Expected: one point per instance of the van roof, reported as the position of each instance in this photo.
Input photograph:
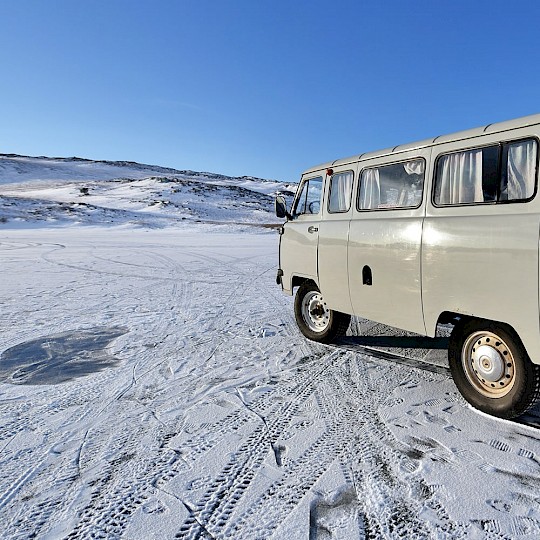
(524, 121)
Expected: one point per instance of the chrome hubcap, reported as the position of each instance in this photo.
(314, 311)
(489, 364)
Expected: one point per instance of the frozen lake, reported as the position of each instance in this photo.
(153, 384)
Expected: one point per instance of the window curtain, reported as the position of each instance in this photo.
(521, 168)
(414, 167)
(460, 178)
(370, 190)
(345, 200)
(341, 192)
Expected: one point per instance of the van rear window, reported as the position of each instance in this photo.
(499, 173)
(398, 185)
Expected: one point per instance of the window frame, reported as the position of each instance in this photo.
(500, 144)
(336, 173)
(391, 208)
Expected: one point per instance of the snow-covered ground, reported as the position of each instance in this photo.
(153, 384)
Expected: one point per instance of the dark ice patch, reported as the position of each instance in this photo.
(60, 358)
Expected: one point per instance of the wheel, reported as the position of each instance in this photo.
(492, 369)
(315, 320)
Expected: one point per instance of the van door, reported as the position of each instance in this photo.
(298, 246)
(333, 241)
(385, 240)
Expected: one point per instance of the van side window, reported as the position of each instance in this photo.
(497, 173)
(518, 179)
(309, 200)
(468, 177)
(339, 199)
(398, 185)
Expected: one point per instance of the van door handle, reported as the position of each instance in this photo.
(312, 229)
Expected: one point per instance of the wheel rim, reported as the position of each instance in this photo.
(489, 364)
(314, 312)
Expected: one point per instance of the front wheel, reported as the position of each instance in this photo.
(492, 369)
(315, 320)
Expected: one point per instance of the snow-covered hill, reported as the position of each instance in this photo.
(75, 190)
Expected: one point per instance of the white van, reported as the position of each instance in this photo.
(443, 230)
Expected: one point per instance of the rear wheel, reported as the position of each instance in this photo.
(492, 369)
(315, 320)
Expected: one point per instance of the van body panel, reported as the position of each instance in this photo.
(340, 163)
(414, 146)
(525, 121)
(318, 168)
(484, 265)
(299, 250)
(460, 135)
(378, 154)
(391, 249)
(333, 264)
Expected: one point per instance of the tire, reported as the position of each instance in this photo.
(491, 368)
(316, 321)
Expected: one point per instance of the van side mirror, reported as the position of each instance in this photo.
(281, 208)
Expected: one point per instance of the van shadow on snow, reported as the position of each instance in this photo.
(421, 352)
(399, 342)
(60, 358)
(414, 350)
(382, 339)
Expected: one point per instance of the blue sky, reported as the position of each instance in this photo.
(257, 87)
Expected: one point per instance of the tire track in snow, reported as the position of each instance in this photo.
(220, 499)
(339, 396)
(384, 503)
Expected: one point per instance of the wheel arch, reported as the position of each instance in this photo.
(529, 338)
(459, 319)
(298, 281)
